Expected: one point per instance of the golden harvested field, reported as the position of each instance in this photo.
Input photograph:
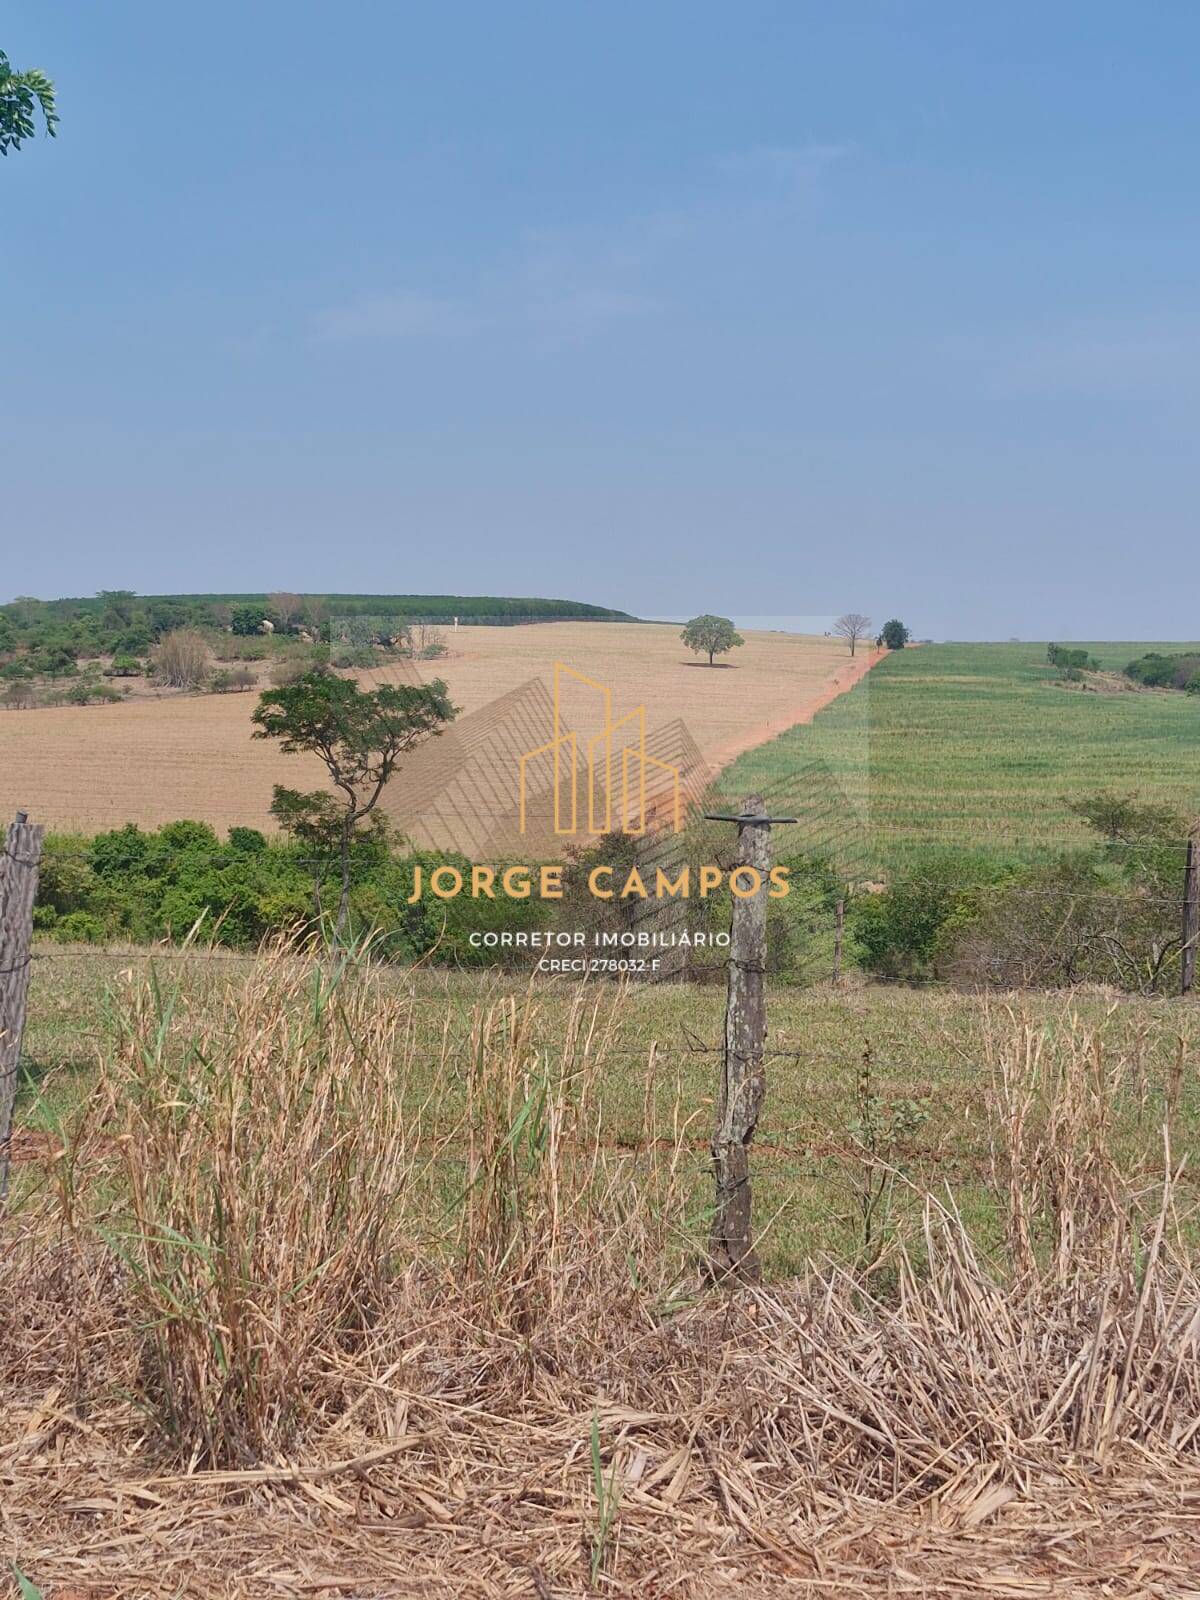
(153, 761)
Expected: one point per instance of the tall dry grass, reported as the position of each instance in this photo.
(278, 1165)
(425, 1303)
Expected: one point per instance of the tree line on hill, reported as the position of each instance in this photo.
(120, 622)
(82, 652)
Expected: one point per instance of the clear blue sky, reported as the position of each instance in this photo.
(751, 307)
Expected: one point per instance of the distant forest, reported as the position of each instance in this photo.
(120, 622)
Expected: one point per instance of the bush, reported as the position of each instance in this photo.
(89, 691)
(899, 933)
(124, 667)
(356, 656)
(80, 927)
(1067, 923)
(19, 695)
(255, 648)
(288, 670)
(248, 619)
(1157, 671)
(145, 886)
(232, 680)
(181, 659)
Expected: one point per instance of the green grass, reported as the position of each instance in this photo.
(978, 745)
(930, 1079)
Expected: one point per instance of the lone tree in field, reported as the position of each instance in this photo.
(853, 626)
(714, 635)
(22, 96)
(894, 635)
(360, 735)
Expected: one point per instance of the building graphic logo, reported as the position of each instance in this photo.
(625, 789)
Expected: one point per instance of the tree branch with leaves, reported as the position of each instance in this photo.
(22, 96)
(361, 736)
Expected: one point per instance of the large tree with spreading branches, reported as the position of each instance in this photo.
(360, 735)
(711, 635)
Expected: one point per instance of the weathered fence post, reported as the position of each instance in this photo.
(18, 886)
(743, 1079)
(839, 925)
(1191, 916)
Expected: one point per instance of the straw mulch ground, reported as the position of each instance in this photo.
(800, 1442)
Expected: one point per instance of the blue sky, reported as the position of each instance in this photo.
(785, 308)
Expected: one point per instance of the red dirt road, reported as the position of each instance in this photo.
(853, 671)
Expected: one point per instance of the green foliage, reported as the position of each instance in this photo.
(89, 691)
(25, 1587)
(1074, 921)
(1072, 661)
(248, 619)
(884, 1132)
(1124, 819)
(360, 735)
(894, 634)
(1158, 671)
(711, 636)
(315, 818)
(1106, 914)
(140, 887)
(899, 932)
(22, 96)
(232, 680)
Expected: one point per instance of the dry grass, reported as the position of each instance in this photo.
(266, 1337)
(152, 761)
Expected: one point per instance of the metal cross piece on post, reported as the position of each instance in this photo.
(743, 1079)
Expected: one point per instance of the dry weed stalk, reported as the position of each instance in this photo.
(261, 1157)
(525, 1412)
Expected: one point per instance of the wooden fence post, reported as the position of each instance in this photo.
(839, 924)
(1191, 917)
(18, 886)
(743, 1080)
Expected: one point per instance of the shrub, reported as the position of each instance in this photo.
(181, 659)
(80, 927)
(89, 691)
(353, 656)
(254, 648)
(248, 619)
(1067, 923)
(1158, 671)
(288, 670)
(19, 695)
(232, 680)
(898, 934)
